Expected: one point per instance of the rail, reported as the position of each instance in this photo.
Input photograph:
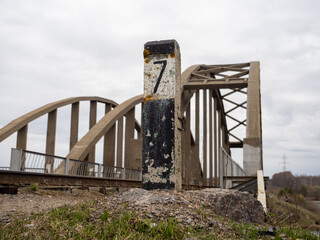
(229, 168)
(28, 161)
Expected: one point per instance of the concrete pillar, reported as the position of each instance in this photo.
(210, 141)
(51, 140)
(74, 128)
(109, 142)
(109, 147)
(196, 160)
(252, 144)
(92, 122)
(215, 143)
(119, 142)
(187, 149)
(162, 120)
(22, 138)
(204, 140)
(221, 154)
(51, 132)
(129, 135)
(22, 143)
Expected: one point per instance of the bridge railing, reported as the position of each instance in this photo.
(28, 161)
(4, 168)
(229, 167)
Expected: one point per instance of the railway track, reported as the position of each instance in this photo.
(19, 179)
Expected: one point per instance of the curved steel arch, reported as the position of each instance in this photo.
(187, 94)
(214, 78)
(83, 147)
(22, 121)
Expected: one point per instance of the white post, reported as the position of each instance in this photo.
(99, 170)
(66, 166)
(261, 190)
(48, 168)
(123, 173)
(16, 159)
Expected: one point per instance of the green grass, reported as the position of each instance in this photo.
(85, 221)
(284, 213)
(33, 187)
(94, 220)
(82, 222)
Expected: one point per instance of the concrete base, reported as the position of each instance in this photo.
(252, 156)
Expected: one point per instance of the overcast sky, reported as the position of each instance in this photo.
(50, 50)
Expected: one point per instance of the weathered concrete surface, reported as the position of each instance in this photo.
(252, 144)
(239, 206)
(252, 156)
(261, 190)
(159, 73)
(158, 145)
(160, 159)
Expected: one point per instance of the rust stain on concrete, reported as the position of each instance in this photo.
(146, 53)
(148, 98)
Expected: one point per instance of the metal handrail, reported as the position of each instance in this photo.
(30, 161)
(229, 167)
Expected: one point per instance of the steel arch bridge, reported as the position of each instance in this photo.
(220, 111)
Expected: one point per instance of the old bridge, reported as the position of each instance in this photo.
(215, 109)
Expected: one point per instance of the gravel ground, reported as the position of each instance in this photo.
(28, 201)
(188, 207)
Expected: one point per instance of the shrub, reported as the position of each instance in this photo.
(34, 187)
(304, 191)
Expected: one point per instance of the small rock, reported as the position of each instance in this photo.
(211, 223)
(29, 225)
(6, 220)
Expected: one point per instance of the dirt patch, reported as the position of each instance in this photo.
(28, 201)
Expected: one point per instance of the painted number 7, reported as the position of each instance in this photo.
(164, 62)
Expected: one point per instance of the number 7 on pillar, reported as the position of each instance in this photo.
(164, 64)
